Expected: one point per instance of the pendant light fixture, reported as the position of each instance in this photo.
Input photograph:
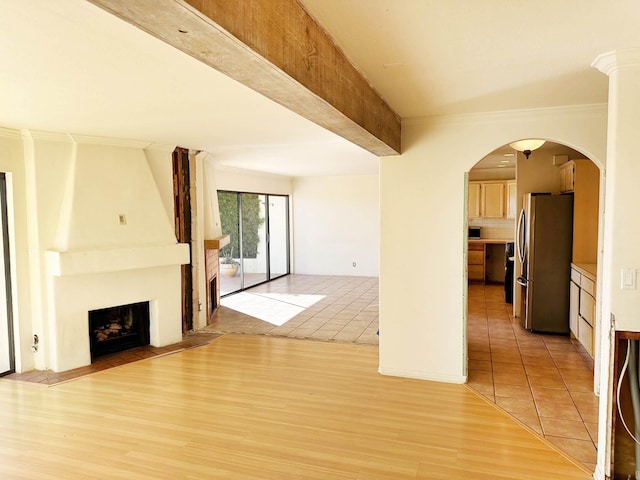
(527, 146)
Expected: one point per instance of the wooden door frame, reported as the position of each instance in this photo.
(183, 228)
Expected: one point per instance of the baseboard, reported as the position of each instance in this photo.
(418, 375)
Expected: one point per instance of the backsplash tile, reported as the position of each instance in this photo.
(494, 227)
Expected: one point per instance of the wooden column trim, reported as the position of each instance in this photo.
(277, 49)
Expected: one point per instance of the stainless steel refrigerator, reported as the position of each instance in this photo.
(544, 239)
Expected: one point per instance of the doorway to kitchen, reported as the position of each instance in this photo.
(545, 381)
(7, 356)
(258, 250)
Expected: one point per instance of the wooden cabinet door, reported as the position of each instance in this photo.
(567, 175)
(511, 199)
(492, 205)
(474, 200)
(574, 306)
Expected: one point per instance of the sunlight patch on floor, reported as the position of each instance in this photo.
(275, 308)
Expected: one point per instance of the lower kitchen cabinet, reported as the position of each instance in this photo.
(582, 307)
(476, 257)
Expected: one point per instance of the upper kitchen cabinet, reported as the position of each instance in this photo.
(474, 200)
(567, 174)
(492, 199)
(582, 177)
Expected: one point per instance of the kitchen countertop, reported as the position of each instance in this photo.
(588, 269)
(496, 241)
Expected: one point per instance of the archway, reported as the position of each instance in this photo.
(546, 381)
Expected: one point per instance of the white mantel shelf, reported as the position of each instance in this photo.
(116, 259)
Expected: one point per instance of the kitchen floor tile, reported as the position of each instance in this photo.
(564, 428)
(544, 381)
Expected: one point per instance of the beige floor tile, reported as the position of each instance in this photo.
(531, 420)
(513, 391)
(564, 428)
(506, 358)
(545, 381)
(581, 450)
(592, 428)
(519, 405)
(556, 409)
(507, 367)
(480, 365)
(510, 378)
(473, 355)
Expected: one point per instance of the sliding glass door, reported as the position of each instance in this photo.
(258, 226)
(278, 236)
(7, 360)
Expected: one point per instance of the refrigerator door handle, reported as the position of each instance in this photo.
(520, 236)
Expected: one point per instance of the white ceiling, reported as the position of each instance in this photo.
(68, 66)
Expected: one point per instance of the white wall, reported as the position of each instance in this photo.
(422, 269)
(237, 180)
(12, 163)
(336, 223)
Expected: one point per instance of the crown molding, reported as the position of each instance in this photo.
(595, 109)
(609, 62)
(44, 135)
(108, 141)
(160, 147)
(10, 133)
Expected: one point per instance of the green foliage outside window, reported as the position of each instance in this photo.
(251, 223)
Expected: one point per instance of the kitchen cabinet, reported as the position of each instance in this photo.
(474, 200)
(490, 199)
(567, 174)
(511, 199)
(582, 307)
(476, 258)
(586, 198)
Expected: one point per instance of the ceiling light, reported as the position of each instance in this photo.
(527, 146)
(505, 161)
(508, 155)
(502, 166)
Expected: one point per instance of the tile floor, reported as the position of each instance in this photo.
(545, 381)
(345, 309)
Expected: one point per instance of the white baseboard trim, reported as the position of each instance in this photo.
(418, 375)
(598, 474)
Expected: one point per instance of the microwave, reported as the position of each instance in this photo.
(474, 233)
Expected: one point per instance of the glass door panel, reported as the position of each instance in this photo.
(230, 272)
(278, 236)
(254, 239)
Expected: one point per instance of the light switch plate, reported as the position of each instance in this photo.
(628, 280)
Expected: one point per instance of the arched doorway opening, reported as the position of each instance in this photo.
(545, 380)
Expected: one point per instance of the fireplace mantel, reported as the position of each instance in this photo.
(116, 259)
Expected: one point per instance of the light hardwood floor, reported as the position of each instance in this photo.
(259, 407)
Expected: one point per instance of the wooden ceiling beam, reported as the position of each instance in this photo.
(277, 49)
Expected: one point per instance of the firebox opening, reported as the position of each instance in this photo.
(213, 297)
(119, 328)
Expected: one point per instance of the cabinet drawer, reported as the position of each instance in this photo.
(587, 307)
(475, 272)
(575, 276)
(585, 335)
(587, 285)
(475, 257)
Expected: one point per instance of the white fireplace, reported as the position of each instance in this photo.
(105, 231)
